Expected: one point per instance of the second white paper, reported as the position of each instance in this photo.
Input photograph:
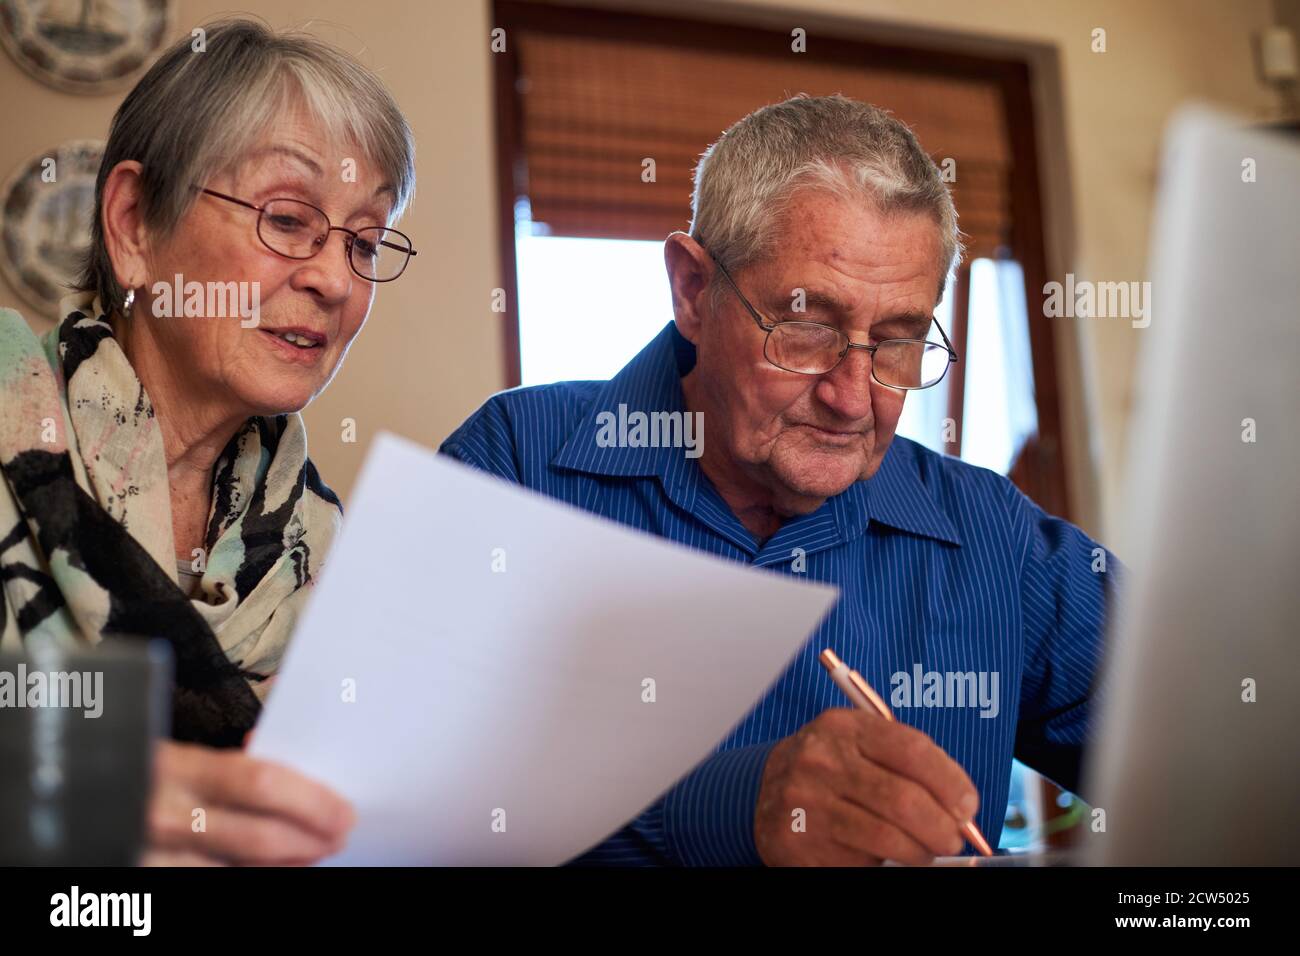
(494, 677)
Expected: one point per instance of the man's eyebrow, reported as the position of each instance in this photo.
(913, 318)
(812, 299)
(825, 300)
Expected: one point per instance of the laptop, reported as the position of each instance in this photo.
(1197, 754)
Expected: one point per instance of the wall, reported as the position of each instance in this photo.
(431, 352)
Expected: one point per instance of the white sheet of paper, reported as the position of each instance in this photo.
(499, 645)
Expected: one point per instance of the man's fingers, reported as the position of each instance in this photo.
(903, 803)
(910, 753)
(871, 836)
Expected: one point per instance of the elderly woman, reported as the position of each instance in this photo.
(156, 473)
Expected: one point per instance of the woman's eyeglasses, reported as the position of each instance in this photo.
(299, 230)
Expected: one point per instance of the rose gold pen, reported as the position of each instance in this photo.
(859, 691)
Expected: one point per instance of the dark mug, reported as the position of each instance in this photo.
(77, 733)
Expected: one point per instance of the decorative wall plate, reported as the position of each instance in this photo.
(84, 46)
(45, 225)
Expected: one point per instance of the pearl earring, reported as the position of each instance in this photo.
(128, 301)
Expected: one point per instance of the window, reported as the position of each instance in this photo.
(999, 415)
(586, 306)
(601, 117)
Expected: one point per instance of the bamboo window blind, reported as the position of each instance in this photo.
(594, 108)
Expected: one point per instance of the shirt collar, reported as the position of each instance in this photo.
(897, 496)
(900, 493)
(651, 382)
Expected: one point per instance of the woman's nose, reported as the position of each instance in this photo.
(329, 273)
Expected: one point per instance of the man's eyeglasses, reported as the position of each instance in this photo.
(299, 230)
(811, 348)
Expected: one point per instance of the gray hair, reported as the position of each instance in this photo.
(195, 114)
(744, 181)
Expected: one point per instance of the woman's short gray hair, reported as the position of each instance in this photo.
(744, 181)
(195, 114)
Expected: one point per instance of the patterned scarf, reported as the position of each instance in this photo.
(86, 548)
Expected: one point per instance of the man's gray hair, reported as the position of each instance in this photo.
(744, 181)
(195, 114)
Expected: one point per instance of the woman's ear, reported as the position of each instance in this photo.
(690, 272)
(123, 223)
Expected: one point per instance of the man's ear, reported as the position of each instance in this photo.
(690, 271)
(123, 219)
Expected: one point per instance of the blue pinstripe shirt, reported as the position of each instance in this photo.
(943, 568)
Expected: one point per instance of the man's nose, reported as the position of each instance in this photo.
(846, 389)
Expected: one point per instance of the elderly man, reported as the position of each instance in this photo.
(803, 299)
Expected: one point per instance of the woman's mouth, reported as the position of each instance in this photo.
(300, 345)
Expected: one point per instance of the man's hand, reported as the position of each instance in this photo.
(254, 812)
(871, 790)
